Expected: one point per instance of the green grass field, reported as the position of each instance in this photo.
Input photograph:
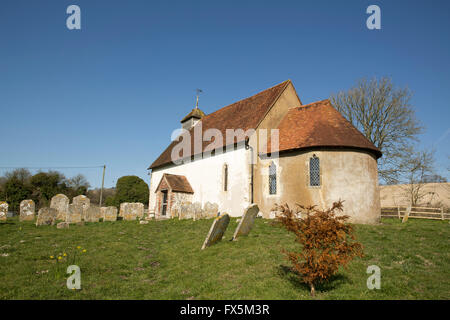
(163, 260)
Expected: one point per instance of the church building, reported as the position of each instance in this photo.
(318, 158)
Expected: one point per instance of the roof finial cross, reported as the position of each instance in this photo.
(198, 93)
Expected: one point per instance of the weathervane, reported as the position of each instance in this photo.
(198, 93)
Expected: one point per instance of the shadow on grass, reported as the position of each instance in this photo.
(294, 278)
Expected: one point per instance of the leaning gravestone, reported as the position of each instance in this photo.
(46, 216)
(407, 213)
(60, 202)
(247, 221)
(108, 213)
(75, 213)
(217, 230)
(3, 210)
(82, 201)
(27, 209)
(130, 211)
(92, 214)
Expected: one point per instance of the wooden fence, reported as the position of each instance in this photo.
(416, 212)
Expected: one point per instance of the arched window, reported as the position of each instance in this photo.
(314, 171)
(272, 178)
(225, 177)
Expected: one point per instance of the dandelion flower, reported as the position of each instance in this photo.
(78, 247)
(59, 258)
(65, 254)
(84, 250)
(51, 257)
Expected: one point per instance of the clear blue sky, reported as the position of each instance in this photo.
(112, 92)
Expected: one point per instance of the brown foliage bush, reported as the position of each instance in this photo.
(328, 242)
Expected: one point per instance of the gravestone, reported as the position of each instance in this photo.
(247, 221)
(131, 211)
(75, 213)
(60, 202)
(407, 213)
(27, 210)
(210, 210)
(3, 210)
(197, 208)
(186, 211)
(217, 230)
(82, 201)
(46, 216)
(109, 213)
(122, 208)
(92, 214)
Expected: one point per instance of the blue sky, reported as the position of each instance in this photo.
(112, 92)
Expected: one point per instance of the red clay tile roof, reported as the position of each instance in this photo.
(195, 113)
(319, 124)
(245, 114)
(175, 182)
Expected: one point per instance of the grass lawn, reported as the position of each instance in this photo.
(163, 260)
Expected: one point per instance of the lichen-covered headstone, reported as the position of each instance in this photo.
(108, 213)
(210, 210)
(217, 230)
(27, 210)
(46, 216)
(82, 201)
(133, 210)
(186, 211)
(3, 210)
(247, 221)
(75, 213)
(60, 202)
(92, 214)
(197, 208)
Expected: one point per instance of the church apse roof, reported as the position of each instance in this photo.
(319, 124)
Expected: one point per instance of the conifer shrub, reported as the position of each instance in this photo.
(327, 241)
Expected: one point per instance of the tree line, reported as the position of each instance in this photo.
(20, 184)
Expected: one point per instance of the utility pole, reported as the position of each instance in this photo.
(103, 182)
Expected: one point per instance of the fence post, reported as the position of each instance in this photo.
(398, 212)
(442, 213)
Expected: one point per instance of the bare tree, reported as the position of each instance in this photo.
(384, 115)
(22, 174)
(78, 181)
(416, 170)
